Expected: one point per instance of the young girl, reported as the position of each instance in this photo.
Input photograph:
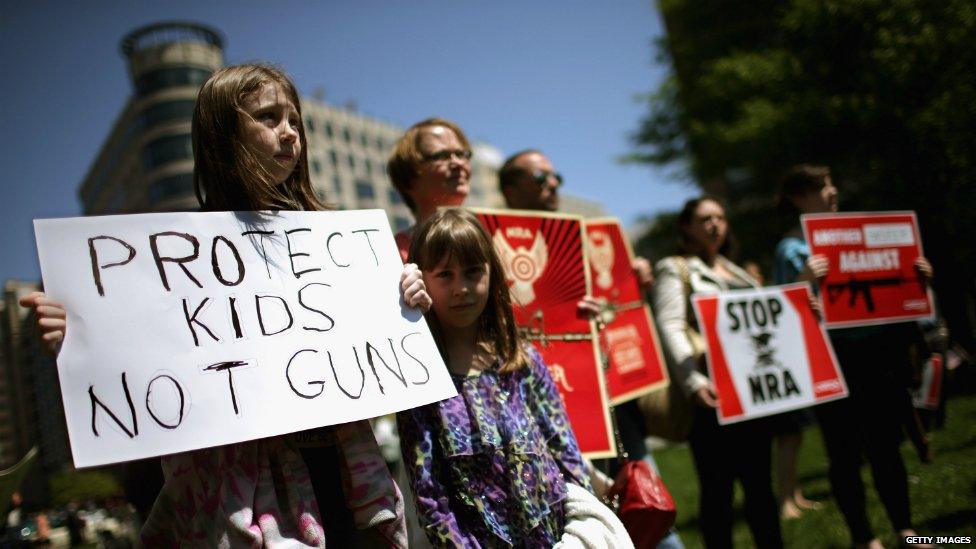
(490, 466)
(250, 154)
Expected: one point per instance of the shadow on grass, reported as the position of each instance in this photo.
(953, 521)
(957, 446)
(812, 476)
(691, 523)
(818, 495)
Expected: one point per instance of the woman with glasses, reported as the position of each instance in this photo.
(430, 167)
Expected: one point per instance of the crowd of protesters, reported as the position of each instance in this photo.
(499, 464)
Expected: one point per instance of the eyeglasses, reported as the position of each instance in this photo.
(447, 154)
(541, 177)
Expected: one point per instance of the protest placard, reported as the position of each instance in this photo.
(767, 353)
(636, 366)
(872, 277)
(193, 330)
(544, 256)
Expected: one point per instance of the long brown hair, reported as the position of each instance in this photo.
(226, 173)
(687, 244)
(456, 233)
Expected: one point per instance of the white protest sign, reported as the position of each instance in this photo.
(193, 330)
(767, 353)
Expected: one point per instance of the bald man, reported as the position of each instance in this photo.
(528, 181)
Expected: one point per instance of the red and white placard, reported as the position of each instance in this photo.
(871, 277)
(636, 366)
(767, 353)
(544, 256)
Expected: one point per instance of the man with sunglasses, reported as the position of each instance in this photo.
(528, 181)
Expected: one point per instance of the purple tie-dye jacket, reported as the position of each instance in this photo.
(489, 467)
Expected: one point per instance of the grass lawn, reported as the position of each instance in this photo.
(943, 493)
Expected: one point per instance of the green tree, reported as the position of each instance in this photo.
(81, 486)
(883, 91)
(659, 239)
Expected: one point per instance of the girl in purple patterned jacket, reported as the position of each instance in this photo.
(489, 467)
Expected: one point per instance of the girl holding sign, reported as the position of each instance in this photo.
(298, 490)
(495, 464)
(874, 360)
(722, 454)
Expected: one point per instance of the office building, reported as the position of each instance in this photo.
(146, 163)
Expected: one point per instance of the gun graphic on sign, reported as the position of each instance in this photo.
(860, 288)
(876, 282)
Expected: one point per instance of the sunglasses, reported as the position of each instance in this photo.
(447, 154)
(541, 177)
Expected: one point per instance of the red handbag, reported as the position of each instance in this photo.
(644, 504)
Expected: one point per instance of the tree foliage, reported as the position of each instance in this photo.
(883, 91)
(660, 238)
(82, 486)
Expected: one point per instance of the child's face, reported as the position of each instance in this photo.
(459, 293)
(270, 130)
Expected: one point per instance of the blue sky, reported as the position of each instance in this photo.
(560, 76)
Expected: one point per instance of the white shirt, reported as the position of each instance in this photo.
(673, 313)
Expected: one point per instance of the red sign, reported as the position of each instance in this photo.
(543, 254)
(767, 352)
(871, 277)
(629, 339)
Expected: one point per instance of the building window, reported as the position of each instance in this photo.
(364, 140)
(400, 223)
(365, 190)
(369, 166)
(347, 135)
(170, 77)
(309, 124)
(170, 187)
(380, 144)
(352, 162)
(337, 185)
(166, 111)
(328, 130)
(394, 196)
(167, 149)
(334, 158)
(316, 167)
